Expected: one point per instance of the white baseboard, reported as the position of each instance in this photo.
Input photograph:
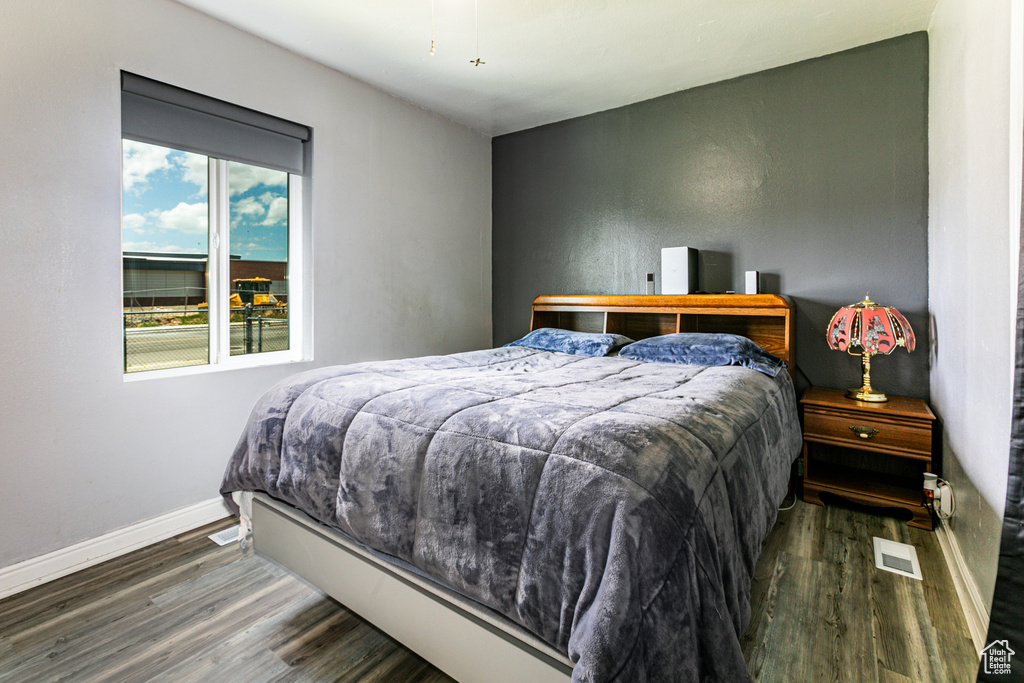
(39, 570)
(970, 597)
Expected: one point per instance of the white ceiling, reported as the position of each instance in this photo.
(549, 60)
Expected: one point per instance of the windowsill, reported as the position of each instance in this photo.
(256, 360)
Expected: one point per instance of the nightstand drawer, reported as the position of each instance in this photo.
(906, 440)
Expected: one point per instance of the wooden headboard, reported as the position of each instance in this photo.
(766, 319)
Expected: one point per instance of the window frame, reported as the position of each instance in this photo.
(170, 116)
(218, 284)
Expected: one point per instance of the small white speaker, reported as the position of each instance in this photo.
(650, 283)
(753, 287)
(679, 270)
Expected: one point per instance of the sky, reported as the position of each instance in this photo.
(164, 204)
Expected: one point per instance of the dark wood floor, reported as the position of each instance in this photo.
(821, 611)
(185, 609)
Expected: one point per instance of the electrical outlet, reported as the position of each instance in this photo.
(944, 500)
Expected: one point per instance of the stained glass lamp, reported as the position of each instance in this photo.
(872, 329)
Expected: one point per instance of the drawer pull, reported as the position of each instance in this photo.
(863, 432)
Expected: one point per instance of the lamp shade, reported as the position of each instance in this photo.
(875, 329)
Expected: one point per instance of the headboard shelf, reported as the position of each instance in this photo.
(766, 319)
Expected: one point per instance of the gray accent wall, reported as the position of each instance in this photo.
(815, 174)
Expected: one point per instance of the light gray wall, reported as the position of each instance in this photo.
(401, 256)
(815, 174)
(974, 224)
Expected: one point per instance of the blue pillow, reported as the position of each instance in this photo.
(576, 343)
(698, 348)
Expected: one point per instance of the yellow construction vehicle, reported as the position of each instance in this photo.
(252, 290)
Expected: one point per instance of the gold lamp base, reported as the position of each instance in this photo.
(866, 392)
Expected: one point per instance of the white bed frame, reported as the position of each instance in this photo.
(466, 640)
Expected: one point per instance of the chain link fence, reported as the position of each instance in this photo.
(173, 337)
(259, 329)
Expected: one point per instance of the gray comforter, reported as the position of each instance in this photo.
(615, 508)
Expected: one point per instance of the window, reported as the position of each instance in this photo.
(211, 231)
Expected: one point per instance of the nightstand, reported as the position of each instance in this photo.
(869, 453)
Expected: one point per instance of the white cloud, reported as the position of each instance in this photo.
(194, 170)
(244, 177)
(184, 219)
(133, 221)
(139, 160)
(277, 213)
(246, 207)
(188, 218)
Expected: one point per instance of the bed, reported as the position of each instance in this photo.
(522, 514)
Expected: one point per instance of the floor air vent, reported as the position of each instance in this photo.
(898, 558)
(224, 537)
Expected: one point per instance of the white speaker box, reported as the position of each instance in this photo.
(679, 270)
(752, 282)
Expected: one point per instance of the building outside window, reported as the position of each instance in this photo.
(211, 242)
